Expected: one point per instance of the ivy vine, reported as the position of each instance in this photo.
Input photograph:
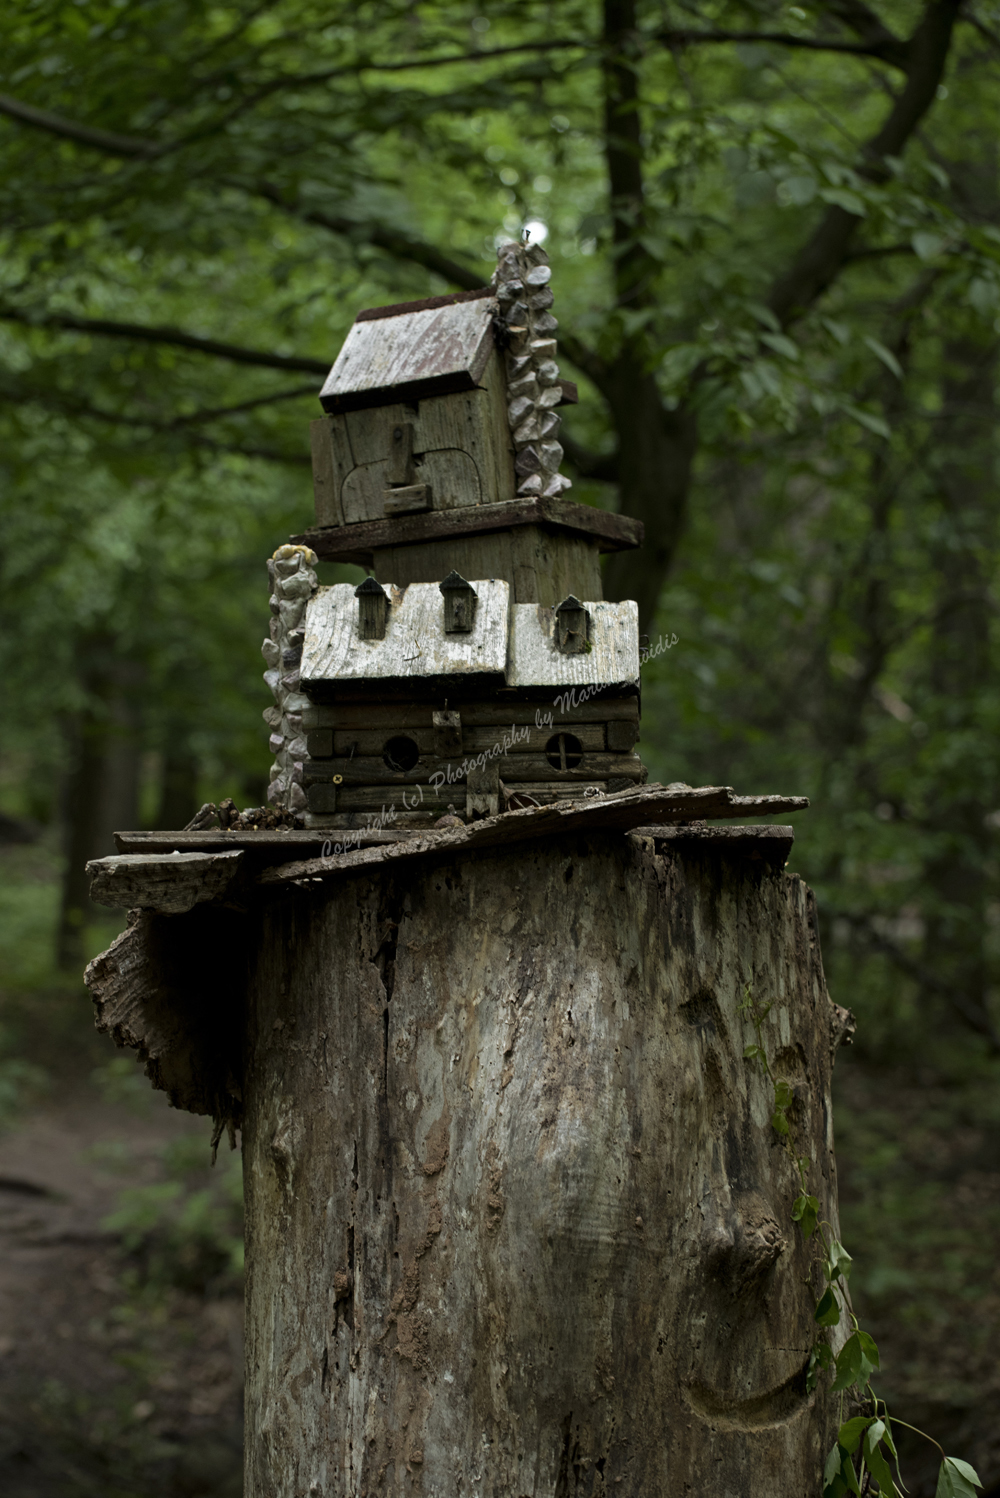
(864, 1451)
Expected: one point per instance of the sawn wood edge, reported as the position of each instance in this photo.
(357, 542)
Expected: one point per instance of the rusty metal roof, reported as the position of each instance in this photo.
(412, 350)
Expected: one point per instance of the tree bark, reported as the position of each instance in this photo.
(517, 1222)
(100, 793)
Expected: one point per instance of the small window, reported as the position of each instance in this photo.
(400, 753)
(564, 751)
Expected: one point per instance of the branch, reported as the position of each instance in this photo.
(134, 147)
(174, 337)
(83, 135)
(217, 413)
(863, 21)
(824, 254)
(395, 241)
(891, 51)
(168, 428)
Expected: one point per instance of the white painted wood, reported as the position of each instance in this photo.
(613, 658)
(415, 643)
(391, 351)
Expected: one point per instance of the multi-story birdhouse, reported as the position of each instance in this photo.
(477, 667)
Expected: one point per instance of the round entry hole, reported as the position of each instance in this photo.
(400, 753)
(564, 751)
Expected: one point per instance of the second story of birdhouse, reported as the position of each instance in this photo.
(463, 638)
(418, 412)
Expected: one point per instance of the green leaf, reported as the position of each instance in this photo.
(779, 1123)
(833, 1461)
(877, 1464)
(870, 1351)
(868, 419)
(850, 1361)
(783, 1095)
(780, 344)
(850, 1433)
(840, 1262)
(751, 1052)
(821, 1357)
(926, 246)
(805, 1211)
(839, 1475)
(827, 1313)
(764, 315)
(849, 201)
(886, 355)
(957, 1479)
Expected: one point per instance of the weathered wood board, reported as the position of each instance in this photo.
(540, 565)
(414, 643)
(647, 805)
(171, 883)
(371, 741)
(358, 543)
(613, 658)
(603, 708)
(369, 769)
(412, 354)
(460, 446)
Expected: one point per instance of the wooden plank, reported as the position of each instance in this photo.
(613, 657)
(411, 355)
(389, 715)
(414, 644)
(370, 437)
(546, 566)
(170, 883)
(650, 805)
(496, 466)
(768, 842)
(274, 846)
(340, 543)
(371, 741)
(401, 798)
(453, 478)
(364, 769)
(408, 499)
(331, 463)
(473, 556)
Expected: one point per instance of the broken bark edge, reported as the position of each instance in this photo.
(171, 988)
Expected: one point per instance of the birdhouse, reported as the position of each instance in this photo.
(478, 666)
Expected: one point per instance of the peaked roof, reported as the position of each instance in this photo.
(412, 350)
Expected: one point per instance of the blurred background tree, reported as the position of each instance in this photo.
(775, 232)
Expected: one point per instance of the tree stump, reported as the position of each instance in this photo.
(517, 1222)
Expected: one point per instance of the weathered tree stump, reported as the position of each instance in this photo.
(517, 1222)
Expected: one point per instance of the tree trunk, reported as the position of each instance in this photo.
(100, 795)
(517, 1222)
(959, 874)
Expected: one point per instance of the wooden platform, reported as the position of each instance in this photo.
(155, 862)
(357, 543)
